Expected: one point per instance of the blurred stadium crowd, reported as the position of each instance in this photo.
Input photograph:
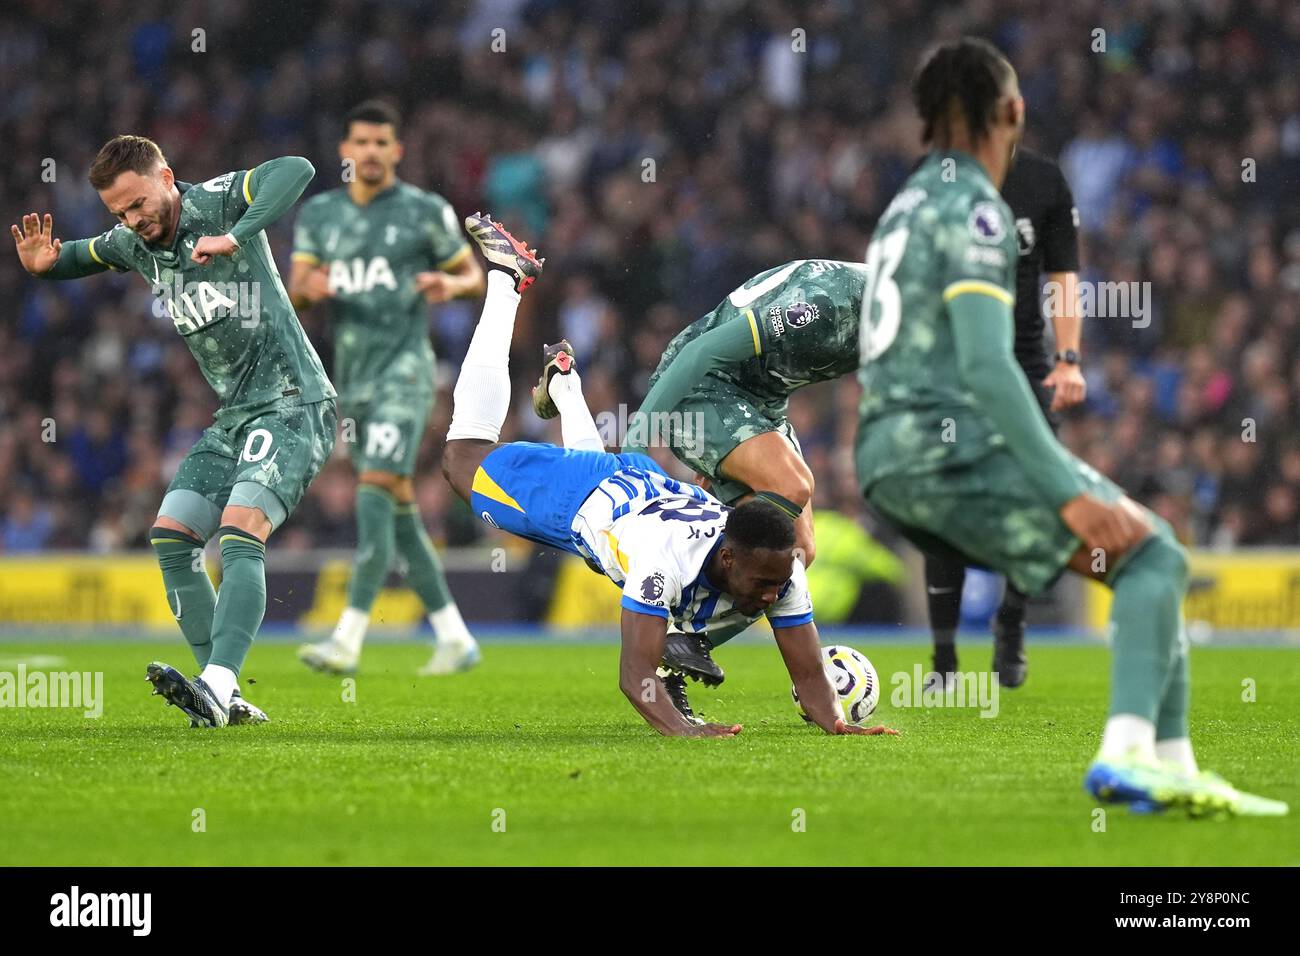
(659, 154)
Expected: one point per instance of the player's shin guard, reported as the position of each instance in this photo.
(1146, 621)
(189, 589)
(423, 569)
(241, 602)
(375, 538)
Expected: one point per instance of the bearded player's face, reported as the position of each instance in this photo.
(373, 150)
(142, 202)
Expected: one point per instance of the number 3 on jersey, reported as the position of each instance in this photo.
(883, 257)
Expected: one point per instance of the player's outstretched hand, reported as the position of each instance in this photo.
(717, 730)
(38, 250)
(209, 246)
(1114, 528)
(877, 731)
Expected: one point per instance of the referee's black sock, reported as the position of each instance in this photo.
(1011, 614)
(944, 579)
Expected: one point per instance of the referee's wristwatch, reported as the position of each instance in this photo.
(1069, 357)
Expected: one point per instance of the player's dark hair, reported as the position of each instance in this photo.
(970, 75)
(759, 524)
(373, 111)
(125, 154)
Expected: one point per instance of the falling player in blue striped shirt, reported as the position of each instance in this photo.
(679, 555)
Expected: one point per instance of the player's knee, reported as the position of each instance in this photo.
(396, 485)
(1163, 553)
(164, 523)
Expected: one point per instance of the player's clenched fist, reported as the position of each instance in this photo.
(209, 246)
(38, 250)
(1114, 528)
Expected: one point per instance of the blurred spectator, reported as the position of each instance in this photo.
(659, 155)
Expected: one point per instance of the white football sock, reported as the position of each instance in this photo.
(481, 398)
(1177, 751)
(222, 680)
(1128, 735)
(449, 627)
(351, 629)
(577, 426)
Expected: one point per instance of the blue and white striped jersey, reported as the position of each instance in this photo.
(653, 536)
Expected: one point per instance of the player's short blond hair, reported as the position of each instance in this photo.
(122, 154)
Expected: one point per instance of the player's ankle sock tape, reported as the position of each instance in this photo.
(791, 509)
(423, 569)
(241, 602)
(375, 535)
(1146, 619)
(189, 589)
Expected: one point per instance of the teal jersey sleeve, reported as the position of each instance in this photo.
(306, 237)
(735, 340)
(79, 258)
(264, 194)
(979, 249)
(979, 277)
(446, 240)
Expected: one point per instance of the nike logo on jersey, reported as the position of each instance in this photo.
(744, 296)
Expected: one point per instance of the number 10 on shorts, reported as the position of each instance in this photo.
(257, 446)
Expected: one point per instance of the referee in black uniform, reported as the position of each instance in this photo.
(1047, 224)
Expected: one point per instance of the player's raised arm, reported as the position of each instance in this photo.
(731, 342)
(269, 190)
(644, 636)
(44, 256)
(978, 298)
(982, 327)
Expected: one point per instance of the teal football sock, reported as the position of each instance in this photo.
(1146, 621)
(1171, 720)
(374, 545)
(423, 569)
(190, 594)
(241, 602)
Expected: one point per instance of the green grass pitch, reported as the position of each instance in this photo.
(538, 738)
